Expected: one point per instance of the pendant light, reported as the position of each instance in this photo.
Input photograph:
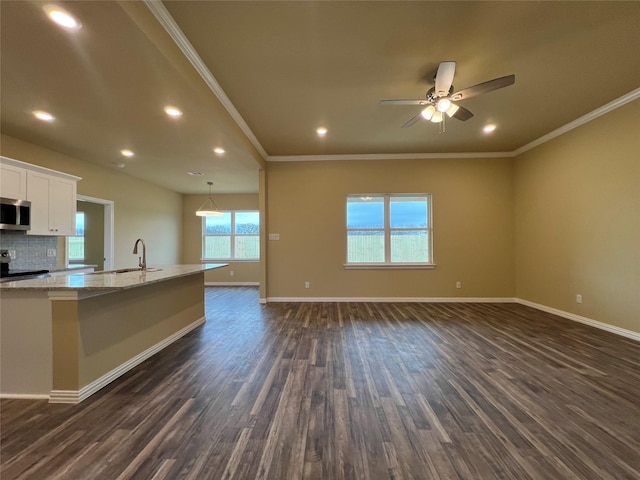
(209, 208)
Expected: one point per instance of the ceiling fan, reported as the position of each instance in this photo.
(439, 101)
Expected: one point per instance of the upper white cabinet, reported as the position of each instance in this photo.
(13, 182)
(53, 204)
(52, 195)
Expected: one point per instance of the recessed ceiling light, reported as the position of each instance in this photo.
(488, 128)
(321, 131)
(44, 116)
(62, 17)
(126, 153)
(218, 151)
(173, 112)
(195, 174)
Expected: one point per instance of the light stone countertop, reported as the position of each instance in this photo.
(98, 281)
(71, 267)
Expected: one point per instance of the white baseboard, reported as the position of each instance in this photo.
(76, 396)
(577, 318)
(231, 284)
(24, 396)
(395, 299)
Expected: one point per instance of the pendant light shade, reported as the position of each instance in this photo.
(209, 208)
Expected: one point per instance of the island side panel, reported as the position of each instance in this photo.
(116, 327)
(25, 344)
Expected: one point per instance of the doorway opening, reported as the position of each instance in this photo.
(93, 243)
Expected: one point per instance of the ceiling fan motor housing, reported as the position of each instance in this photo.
(432, 97)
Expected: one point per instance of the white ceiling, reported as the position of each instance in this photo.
(259, 77)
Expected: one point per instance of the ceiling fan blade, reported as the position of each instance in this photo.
(412, 120)
(484, 87)
(444, 78)
(462, 114)
(421, 101)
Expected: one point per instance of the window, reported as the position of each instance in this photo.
(232, 236)
(75, 244)
(389, 230)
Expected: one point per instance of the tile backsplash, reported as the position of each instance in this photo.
(30, 251)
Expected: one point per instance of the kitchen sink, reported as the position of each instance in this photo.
(126, 270)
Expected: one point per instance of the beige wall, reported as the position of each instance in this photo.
(243, 272)
(578, 220)
(472, 217)
(141, 209)
(93, 234)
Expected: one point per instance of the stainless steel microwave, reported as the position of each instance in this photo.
(15, 214)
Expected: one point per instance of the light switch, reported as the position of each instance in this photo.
(274, 236)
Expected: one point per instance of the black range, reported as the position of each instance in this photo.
(13, 274)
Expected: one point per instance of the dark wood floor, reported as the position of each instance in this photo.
(353, 390)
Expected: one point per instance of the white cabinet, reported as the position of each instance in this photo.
(53, 204)
(52, 195)
(13, 182)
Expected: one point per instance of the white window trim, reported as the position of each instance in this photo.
(67, 243)
(387, 265)
(232, 236)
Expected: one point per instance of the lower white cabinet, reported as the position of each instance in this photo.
(53, 204)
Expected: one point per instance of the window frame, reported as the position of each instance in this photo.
(232, 237)
(388, 230)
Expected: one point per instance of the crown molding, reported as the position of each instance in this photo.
(169, 24)
(598, 112)
(385, 156)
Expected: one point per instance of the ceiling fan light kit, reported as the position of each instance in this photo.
(451, 111)
(428, 112)
(437, 117)
(440, 98)
(443, 104)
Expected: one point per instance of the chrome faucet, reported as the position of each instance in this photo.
(142, 262)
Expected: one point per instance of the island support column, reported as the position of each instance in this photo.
(65, 341)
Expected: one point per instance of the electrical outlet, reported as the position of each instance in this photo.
(51, 252)
(231, 273)
(307, 285)
(274, 236)
(458, 284)
(12, 254)
(578, 298)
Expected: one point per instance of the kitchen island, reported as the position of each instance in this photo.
(65, 337)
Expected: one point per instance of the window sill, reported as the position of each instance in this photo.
(229, 260)
(389, 266)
